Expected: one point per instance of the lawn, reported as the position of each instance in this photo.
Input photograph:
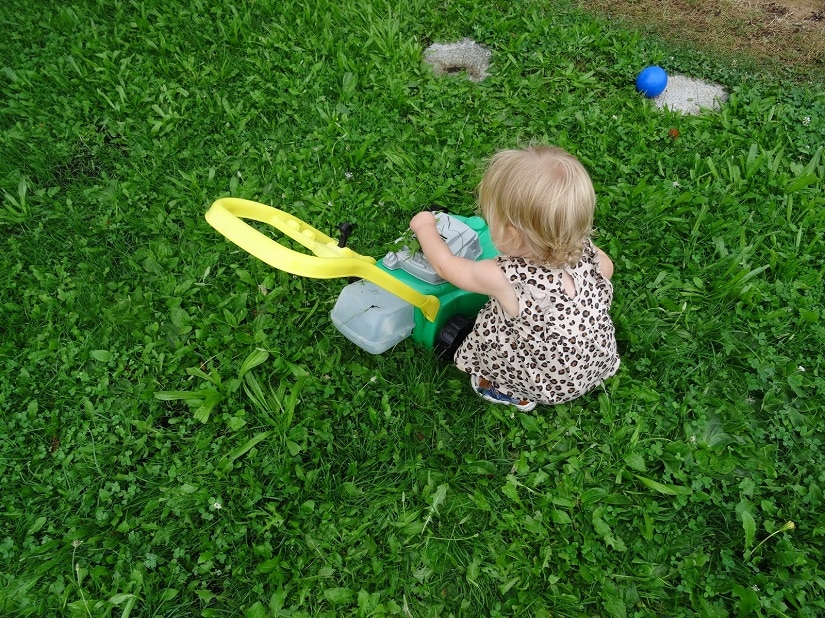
(184, 432)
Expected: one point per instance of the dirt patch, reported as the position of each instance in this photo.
(787, 17)
(777, 34)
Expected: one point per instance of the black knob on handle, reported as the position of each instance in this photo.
(346, 230)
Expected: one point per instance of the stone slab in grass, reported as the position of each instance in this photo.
(691, 96)
(465, 56)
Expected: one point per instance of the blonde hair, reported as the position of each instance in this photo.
(545, 195)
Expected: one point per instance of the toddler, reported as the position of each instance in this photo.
(545, 335)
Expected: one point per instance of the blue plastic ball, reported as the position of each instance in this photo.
(652, 81)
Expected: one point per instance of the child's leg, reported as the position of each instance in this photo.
(488, 392)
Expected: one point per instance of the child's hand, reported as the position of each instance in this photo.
(423, 221)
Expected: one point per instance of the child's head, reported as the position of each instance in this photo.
(540, 198)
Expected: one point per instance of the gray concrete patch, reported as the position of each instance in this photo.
(464, 56)
(690, 96)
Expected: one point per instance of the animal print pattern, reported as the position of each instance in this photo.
(558, 347)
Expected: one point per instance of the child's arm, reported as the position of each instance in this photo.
(482, 277)
(605, 263)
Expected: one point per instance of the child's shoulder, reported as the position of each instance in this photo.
(527, 271)
(510, 262)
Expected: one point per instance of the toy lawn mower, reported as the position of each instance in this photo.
(398, 296)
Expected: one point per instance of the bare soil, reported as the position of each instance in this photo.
(776, 34)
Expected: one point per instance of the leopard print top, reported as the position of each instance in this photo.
(558, 347)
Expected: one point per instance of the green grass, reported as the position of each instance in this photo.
(183, 431)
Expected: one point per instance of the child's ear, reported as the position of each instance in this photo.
(513, 242)
(514, 235)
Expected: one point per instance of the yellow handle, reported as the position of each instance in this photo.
(329, 262)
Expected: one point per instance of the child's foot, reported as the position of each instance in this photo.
(489, 392)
